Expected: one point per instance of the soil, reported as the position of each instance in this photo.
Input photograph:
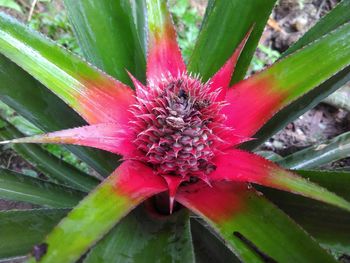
(288, 22)
(294, 18)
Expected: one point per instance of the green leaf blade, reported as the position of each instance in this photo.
(49, 165)
(329, 225)
(18, 187)
(319, 154)
(253, 227)
(255, 100)
(11, 4)
(335, 44)
(46, 111)
(208, 247)
(146, 236)
(221, 32)
(21, 230)
(334, 19)
(100, 211)
(118, 50)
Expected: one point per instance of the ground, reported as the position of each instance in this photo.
(289, 21)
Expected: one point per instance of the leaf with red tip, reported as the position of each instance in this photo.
(164, 55)
(173, 184)
(240, 166)
(328, 224)
(94, 95)
(47, 112)
(335, 18)
(251, 103)
(139, 87)
(104, 99)
(96, 214)
(224, 25)
(254, 228)
(222, 78)
(105, 136)
(255, 100)
(217, 202)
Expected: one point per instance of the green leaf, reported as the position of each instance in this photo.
(298, 107)
(11, 4)
(319, 154)
(100, 211)
(337, 182)
(221, 32)
(289, 242)
(46, 111)
(334, 19)
(260, 96)
(139, 12)
(19, 187)
(21, 230)
(48, 164)
(296, 74)
(82, 86)
(108, 36)
(329, 225)
(208, 247)
(272, 156)
(143, 236)
(251, 225)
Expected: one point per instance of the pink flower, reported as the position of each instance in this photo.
(180, 134)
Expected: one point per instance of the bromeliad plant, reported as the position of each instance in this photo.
(180, 134)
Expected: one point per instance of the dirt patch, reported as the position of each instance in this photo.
(321, 123)
(290, 20)
(295, 17)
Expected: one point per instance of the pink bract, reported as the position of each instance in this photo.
(181, 133)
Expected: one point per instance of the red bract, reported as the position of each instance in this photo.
(181, 131)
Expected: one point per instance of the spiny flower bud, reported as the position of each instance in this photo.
(179, 128)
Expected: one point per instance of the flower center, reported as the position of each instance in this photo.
(176, 126)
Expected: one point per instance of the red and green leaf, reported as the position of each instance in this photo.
(223, 28)
(47, 112)
(221, 80)
(54, 168)
(328, 224)
(110, 137)
(240, 166)
(255, 100)
(95, 215)
(86, 89)
(334, 19)
(255, 229)
(164, 55)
